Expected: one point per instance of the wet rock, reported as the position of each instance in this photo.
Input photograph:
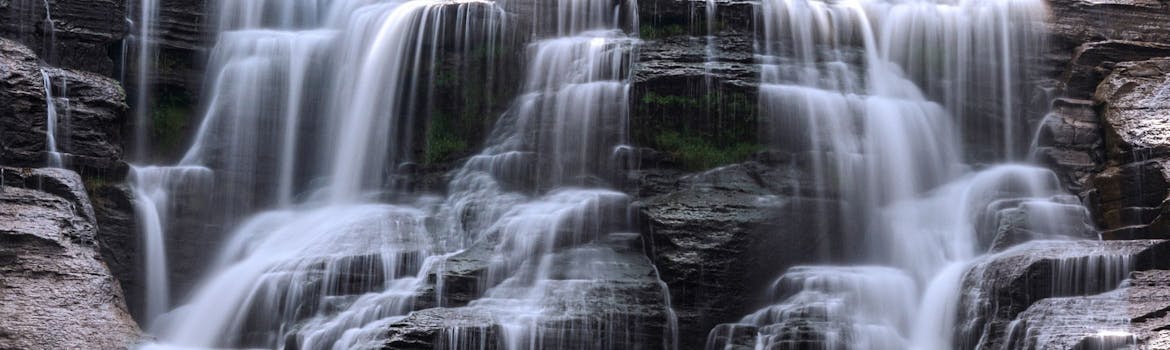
(1070, 142)
(1000, 287)
(603, 295)
(90, 111)
(1075, 22)
(1131, 315)
(1135, 104)
(722, 235)
(1057, 219)
(85, 33)
(113, 205)
(58, 294)
(22, 106)
(1092, 62)
(1128, 196)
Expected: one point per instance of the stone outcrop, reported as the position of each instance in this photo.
(720, 236)
(1132, 315)
(1002, 286)
(1073, 23)
(1129, 195)
(90, 110)
(83, 34)
(617, 302)
(58, 294)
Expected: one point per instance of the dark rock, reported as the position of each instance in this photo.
(1070, 142)
(58, 294)
(90, 111)
(1135, 104)
(1128, 196)
(1131, 315)
(113, 205)
(1002, 286)
(1076, 22)
(85, 33)
(1062, 218)
(722, 235)
(1092, 62)
(22, 107)
(597, 296)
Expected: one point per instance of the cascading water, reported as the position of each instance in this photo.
(146, 50)
(54, 157)
(880, 94)
(328, 267)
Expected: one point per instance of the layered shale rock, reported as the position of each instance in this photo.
(76, 34)
(1000, 287)
(58, 294)
(1129, 195)
(719, 237)
(1133, 315)
(90, 110)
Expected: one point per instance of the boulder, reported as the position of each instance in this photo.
(58, 294)
(1092, 62)
(999, 287)
(720, 237)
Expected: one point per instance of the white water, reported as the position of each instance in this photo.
(880, 93)
(54, 156)
(147, 50)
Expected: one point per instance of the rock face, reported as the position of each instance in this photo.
(1070, 142)
(1134, 314)
(617, 302)
(1128, 196)
(58, 294)
(1002, 286)
(721, 235)
(90, 110)
(83, 34)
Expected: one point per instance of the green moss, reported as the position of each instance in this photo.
(697, 153)
(170, 117)
(650, 32)
(442, 144)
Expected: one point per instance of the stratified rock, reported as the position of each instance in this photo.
(1135, 100)
(1091, 62)
(597, 296)
(22, 106)
(85, 33)
(1128, 197)
(90, 111)
(1002, 286)
(1070, 142)
(722, 235)
(57, 292)
(1133, 314)
(1031, 220)
(113, 205)
(1075, 22)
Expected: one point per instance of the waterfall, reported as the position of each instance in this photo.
(54, 156)
(882, 95)
(146, 49)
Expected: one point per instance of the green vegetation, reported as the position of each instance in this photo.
(650, 32)
(442, 143)
(699, 131)
(697, 153)
(170, 118)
